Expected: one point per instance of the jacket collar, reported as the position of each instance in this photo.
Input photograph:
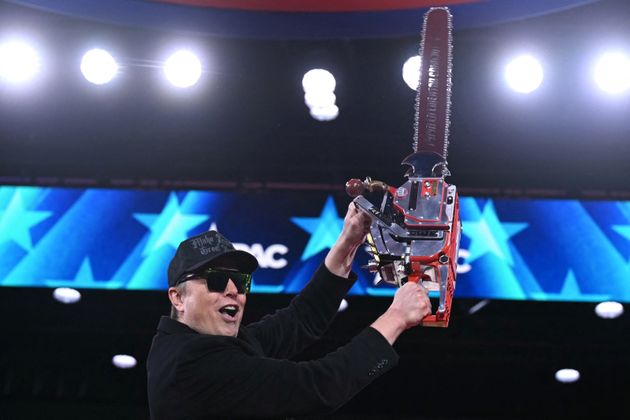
(168, 325)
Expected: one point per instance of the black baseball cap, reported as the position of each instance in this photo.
(206, 250)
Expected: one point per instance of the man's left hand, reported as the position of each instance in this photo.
(356, 225)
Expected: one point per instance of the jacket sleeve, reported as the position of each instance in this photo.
(229, 382)
(308, 316)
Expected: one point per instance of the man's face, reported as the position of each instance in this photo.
(210, 312)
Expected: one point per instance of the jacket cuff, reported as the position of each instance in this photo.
(382, 356)
(347, 282)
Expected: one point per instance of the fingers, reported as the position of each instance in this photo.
(357, 222)
(413, 299)
(427, 306)
(424, 289)
(418, 287)
(361, 216)
(352, 210)
(427, 301)
(365, 222)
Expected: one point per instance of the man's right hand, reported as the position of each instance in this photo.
(411, 302)
(410, 305)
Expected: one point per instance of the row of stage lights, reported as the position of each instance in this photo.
(605, 310)
(524, 74)
(20, 63)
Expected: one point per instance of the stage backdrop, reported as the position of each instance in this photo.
(124, 239)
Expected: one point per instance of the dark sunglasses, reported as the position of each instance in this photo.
(217, 280)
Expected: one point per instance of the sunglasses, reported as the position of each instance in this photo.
(217, 280)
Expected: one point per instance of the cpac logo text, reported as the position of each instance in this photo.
(267, 257)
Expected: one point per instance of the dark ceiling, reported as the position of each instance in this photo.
(246, 120)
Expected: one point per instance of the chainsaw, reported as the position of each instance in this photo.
(415, 233)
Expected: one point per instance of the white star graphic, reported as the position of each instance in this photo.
(324, 229)
(489, 234)
(170, 227)
(16, 221)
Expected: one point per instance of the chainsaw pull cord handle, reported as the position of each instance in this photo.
(356, 187)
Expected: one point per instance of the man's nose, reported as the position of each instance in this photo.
(230, 288)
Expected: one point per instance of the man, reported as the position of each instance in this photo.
(204, 364)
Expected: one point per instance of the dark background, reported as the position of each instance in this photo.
(246, 120)
(245, 127)
(496, 363)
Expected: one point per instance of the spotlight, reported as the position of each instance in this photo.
(411, 71)
(524, 74)
(319, 94)
(609, 310)
(18, 62)
(66, 295)
(183, 69)
(612, 73)
(567, 376)
(327, 113)
(98, 66)
(318, 80)
(319, 98)
(124, 361)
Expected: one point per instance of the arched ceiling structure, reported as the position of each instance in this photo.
(306, 19)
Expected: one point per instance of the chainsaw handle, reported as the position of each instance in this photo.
(355, 187)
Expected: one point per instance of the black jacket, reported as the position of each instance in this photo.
(192, 375)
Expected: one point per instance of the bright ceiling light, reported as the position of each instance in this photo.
(66, 295)
(318, 80)
(524, 74)
(609, 310)
(98, 66)
(319, 98)
(327, 113)
(124, 361)
(183, 69)
(567, 376)
(18, 62)
(612, 73)
(411, 71)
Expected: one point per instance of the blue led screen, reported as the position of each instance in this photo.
(124, 239)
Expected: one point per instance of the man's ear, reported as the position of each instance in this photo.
(175, 296)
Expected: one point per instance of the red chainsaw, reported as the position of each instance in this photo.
(415, 233)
